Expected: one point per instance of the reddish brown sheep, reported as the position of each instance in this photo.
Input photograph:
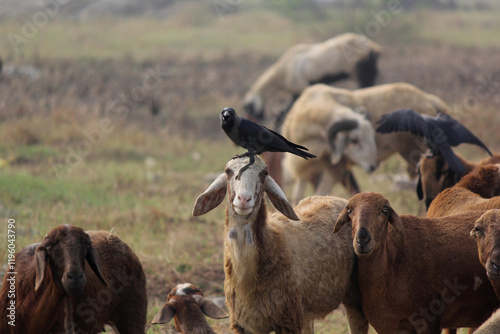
(56, 292)
(477, 190)
(435, 175)
(412, 279)
(186, 304)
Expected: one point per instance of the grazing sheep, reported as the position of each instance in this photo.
(416, 275)
(307, 64)
(282, 273)
(186, 304)
(435, 175)
(56, 292)
(333, 133)
(478, 190)
(320, 100)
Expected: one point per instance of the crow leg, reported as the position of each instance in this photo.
(244, 168)
(237, 156)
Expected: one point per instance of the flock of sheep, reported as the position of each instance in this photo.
(397, 273)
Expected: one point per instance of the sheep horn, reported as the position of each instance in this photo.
(343, 125)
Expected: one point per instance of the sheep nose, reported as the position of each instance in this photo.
(363, 237)
(75, 276)
(243, 198)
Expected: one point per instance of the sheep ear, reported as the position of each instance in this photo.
(395, 220)
(341, 220)
(210, 309)
(212, 197)
(40, 262)
(338, 145)
(165, 314)
(278, 198)
(95, 263)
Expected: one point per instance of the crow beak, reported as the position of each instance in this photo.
(225, 116)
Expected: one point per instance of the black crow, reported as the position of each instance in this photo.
(256, 138)
(440, 132)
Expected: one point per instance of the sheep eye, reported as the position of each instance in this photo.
(349, 211)
(478, 230)
(265, 173)
(385, 210)
(355, 141)
(228, 171)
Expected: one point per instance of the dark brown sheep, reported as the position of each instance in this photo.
(412, 279)
(478, 190)
(57, 292)
(435, 175)
(187, 306)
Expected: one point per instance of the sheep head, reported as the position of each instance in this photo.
(355, 139)
(434, 175)
(369, 214)
(487, 233)
(245, 195)
(64, 251)
(186, 301)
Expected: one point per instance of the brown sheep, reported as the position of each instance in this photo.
(478, 190)
(412, 279)
(487, 233)
(435, 175)
(187, 305)
(57, 292)
(282, 273)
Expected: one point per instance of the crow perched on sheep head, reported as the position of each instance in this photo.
(256, 138)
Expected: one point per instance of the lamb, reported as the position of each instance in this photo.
(307, 64)
(478, 190)
(435, 175)
(411, 278)
(56, 292)
(187, 305)
(282, 273)
(320, 100)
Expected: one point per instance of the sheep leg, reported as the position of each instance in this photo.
(358, 324)
(308, 327)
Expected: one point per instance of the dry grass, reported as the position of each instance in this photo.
(140, 173)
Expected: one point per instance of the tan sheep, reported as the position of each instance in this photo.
(307, 64)
(319, 102)
(282, 273)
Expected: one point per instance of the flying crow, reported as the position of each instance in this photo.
(440, 132)
(256, 138)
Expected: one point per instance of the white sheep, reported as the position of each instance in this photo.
(319, 100)
(303, 65)
(188, 307)
(282, 273)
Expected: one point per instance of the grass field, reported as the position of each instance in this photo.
(79, 144)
